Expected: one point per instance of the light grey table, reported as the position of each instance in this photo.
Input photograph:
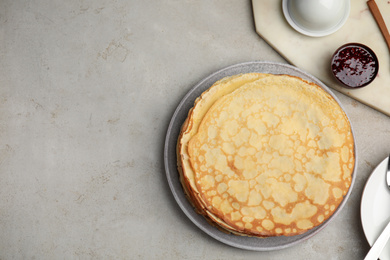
(87, 89)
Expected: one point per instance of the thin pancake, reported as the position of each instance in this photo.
(265, 155)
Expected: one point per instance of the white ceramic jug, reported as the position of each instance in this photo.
(316, 17)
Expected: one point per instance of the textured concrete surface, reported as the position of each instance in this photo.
(87, 89)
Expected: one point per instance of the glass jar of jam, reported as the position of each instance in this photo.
(354, 65)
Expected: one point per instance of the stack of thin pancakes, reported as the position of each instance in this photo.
(266, 155)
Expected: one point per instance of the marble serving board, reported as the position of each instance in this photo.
(314, 54)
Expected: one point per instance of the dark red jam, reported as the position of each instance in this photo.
(355, 65)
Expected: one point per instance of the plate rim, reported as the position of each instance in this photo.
(179, 195)
(373, 175)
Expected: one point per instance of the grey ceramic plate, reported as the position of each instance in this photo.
(249, 243)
